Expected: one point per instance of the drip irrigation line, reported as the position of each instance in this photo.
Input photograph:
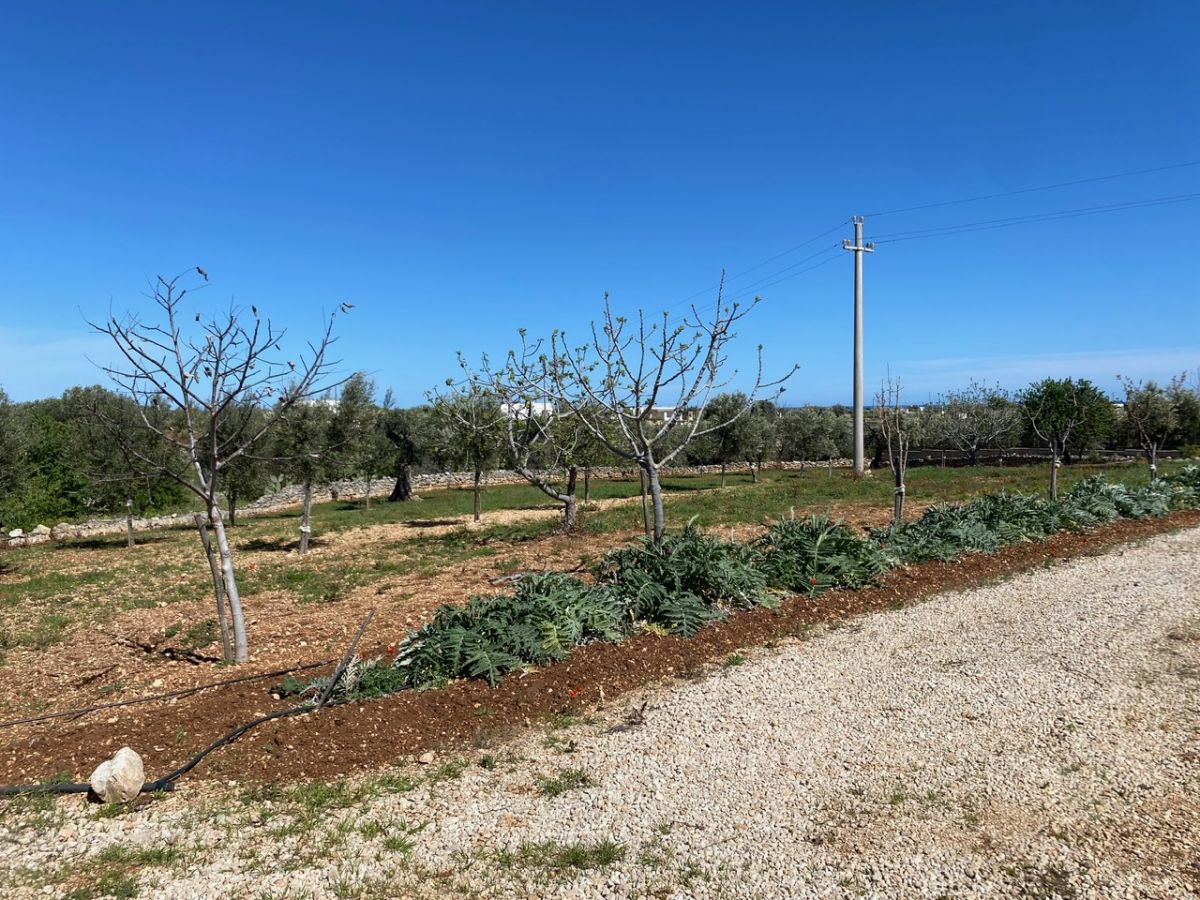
(170, 695)
(167, 782)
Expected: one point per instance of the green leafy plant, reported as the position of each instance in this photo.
(815, 554)
(685, 581)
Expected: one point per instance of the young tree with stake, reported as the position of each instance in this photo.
(896, 425)
(202, 371)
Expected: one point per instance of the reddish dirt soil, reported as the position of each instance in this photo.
(361, 736)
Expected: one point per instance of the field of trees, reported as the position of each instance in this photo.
(476, 582)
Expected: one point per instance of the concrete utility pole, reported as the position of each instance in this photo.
(859, 249)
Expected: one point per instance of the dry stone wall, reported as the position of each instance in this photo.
(353, 489)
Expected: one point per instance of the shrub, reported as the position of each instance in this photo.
(815, 554)
(490, 636)
(685, 581)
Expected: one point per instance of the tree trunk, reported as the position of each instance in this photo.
(222, 623)
(478, 498)
(368, 492)
(1153, 454)
(753, 473)
(231, 588)
(898, 513)
(231, 501)
(722, 474)
(656, 496)
(129, 542)
(645, 505)
(403, 488)
(305, 518)
(973, 456)
(571, 505)
(587, 484)
(1053, 471)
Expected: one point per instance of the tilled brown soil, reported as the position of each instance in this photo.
(361, 736)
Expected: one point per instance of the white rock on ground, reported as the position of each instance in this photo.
(120, 779)
(1037, 737)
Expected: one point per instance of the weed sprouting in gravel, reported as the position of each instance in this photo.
(565, 780)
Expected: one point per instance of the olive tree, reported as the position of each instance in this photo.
(11, 446)
(812, 433)
(302, 447)
(203, 370)
(408, 431)
(1057, 410)
(729, 437)
(469, 420)
(642, 388)
(351, 429)
(762, 439)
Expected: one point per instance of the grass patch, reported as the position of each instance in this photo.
(565, 780)
(555, 857)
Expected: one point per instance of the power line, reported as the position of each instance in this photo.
(759, 265)
(1031, 190)
(823, 262)
(989, 224)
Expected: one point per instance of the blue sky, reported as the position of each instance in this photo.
(460, 170)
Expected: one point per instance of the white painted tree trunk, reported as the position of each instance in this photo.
(657, 500)
(218, 591)
(305, 519)
(231, 589)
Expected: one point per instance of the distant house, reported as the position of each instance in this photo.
(538, 408)
(662, 413)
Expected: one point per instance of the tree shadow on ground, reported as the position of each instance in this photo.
(115, 542)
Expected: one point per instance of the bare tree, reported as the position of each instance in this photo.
(977, 417)
(204, 377)
(896, 424)
(1150, 414)
(643, 390)
(546, 441)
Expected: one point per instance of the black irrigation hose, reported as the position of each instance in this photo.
(185, 692)
(167, 782)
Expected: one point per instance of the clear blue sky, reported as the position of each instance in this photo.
(458, 170)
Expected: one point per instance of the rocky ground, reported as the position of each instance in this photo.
(1036, 737)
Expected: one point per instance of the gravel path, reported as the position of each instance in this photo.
(1039, 737)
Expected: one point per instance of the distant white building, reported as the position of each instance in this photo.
(538, 408)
